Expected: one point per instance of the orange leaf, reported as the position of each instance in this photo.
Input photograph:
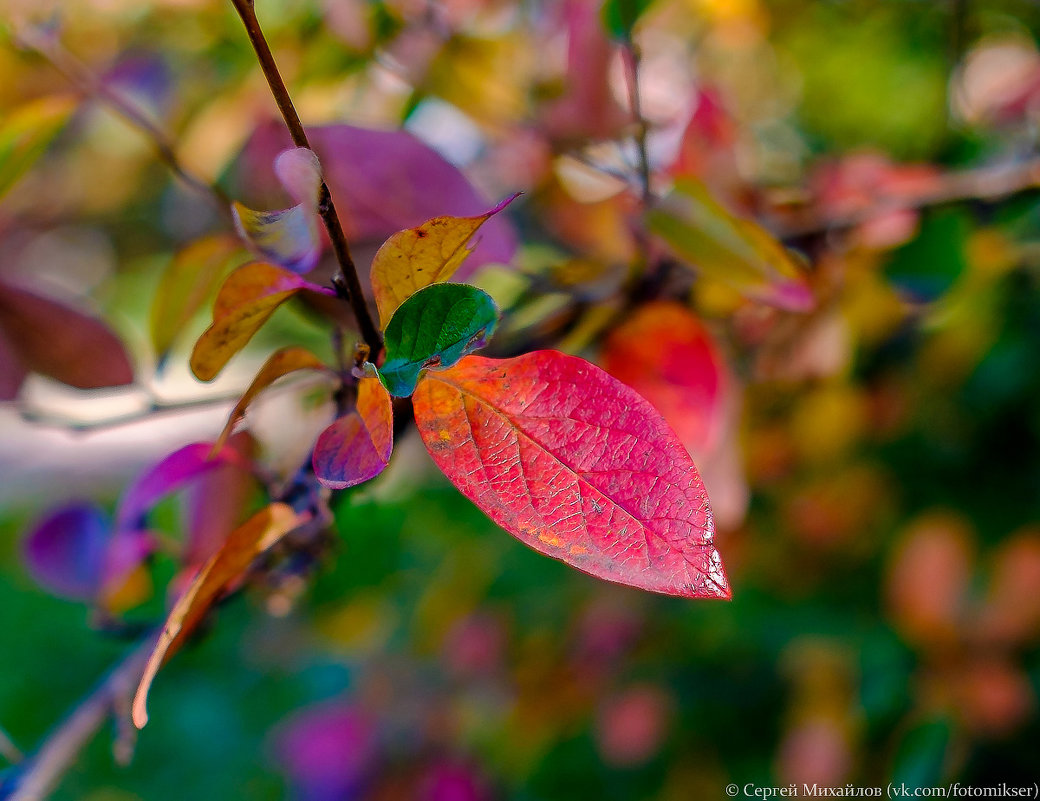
(357, 447)
(243, 545)
(281, 363)
(245, 302)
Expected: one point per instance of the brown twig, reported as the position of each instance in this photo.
(40, 773)
(630, 54)
(80, 76)
(348, 283)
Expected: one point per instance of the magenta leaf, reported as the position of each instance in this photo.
(172, 473)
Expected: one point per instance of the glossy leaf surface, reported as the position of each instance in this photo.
(60, 342)
(575, 465)
(191, 278)
(727, 248)
(26, 133)
(435, 327)
(417, 257)
(243, 545)
(357, 446)
(288, 237)
(280, 364)
(245, 302)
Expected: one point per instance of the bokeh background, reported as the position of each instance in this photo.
(876, 477)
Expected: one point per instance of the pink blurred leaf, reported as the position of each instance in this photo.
(357, 446)
(576, 465)
(57, 341)
(214, 504)
(288, 237)
(327, 750)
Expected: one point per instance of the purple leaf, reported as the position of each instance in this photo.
(385, 181)
(326, 751)
(66, 551)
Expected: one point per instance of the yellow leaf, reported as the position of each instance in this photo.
(417, 257)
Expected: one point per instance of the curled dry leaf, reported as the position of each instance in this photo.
(417, 257)
(357, 446)
(435, 327)
(245, 302)
(280, 364)
(243, 545)
(288, 237)
(576, 465)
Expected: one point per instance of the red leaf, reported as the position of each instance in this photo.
(681, 373)
(357, 447)
(576, 465)
(58, 341)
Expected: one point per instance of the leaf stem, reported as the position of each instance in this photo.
(349, 284)
(631, 58)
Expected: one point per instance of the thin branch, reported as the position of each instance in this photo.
(982, 185)
(630, 54)
(80, 76)
(348, 283)
(40, 773)
(156, 407)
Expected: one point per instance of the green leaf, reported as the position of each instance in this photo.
(620, 16)
(735, 251)
(434, 328)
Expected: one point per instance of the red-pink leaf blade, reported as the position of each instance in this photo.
(575, 465)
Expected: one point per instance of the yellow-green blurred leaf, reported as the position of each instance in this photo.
(26, 133)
